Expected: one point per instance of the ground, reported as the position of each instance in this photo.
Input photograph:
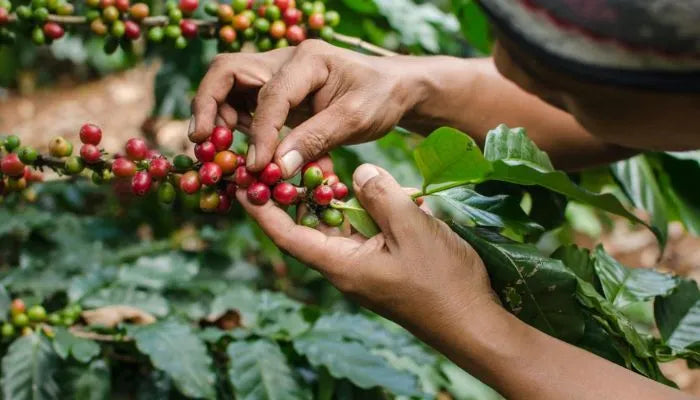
(121, 105)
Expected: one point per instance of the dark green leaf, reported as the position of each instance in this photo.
(65, 344)
(154, 303)
(5, 301)
(158, 272)
(678, 316)
(89, 382)
(474, 23)
(504, 143)
(578, 260)
(358, 217)
(28, 370)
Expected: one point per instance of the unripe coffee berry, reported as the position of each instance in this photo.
(323, 195)
(340, 190)
(241, 22)
(332, 18)
(310, 219)
(227, 34)
(16, 184)
(188, 28)
(182, 162)
(313, 176)
(258, 193)
(123, 168)
(332, 217)
(90, 134)
(122, 5)
(17, 307)
(11, 165)
(205, 151)
(27, 155)
(54, 319)
(159, 168)
(36, 313)
(209, 200)
(278, 29)
(98, 27)
(20, 320)
(221, 137)
(227, 160)
(225, 13)
(211, 8)
(210, 174)
(8, 330)
(189, 182)
(239, 5)
(285, 193)
(141, 183)
(90, 153)
(139, 11)
(166, 193)
(60, 147)
(327, 33)
(243, 177)
(136, 149)
(11, 143)
(316, 21)
(271, 174)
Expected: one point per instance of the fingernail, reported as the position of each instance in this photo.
(190, 129)
(291, 162)
(364, 173)
(250, 160)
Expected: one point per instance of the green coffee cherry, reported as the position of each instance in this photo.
(24, 12)
(11, 143)
(180, 43)
(327, 33)
(39, 4)
(175, 16)
(332, 217)
(155, 34)
(261, 25)
(172, 32)
(7, 330)
(332, 18)
(117, 29)
(36, 313)
(92, 15)
(264, 44)
(54, 319)
(313, 176)
(74, 165)
(27, 155)
(166, 193)
(239, 5)
(249, 33)
(41, 14)
(182, 162)
(282, 43)
(307, 8)
(311, 220)
(319, 7)
(38, 36)
(20, 320)
(212, 8)
(111, 45)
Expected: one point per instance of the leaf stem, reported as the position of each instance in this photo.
(438, 189)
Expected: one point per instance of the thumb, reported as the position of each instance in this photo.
(387, 202)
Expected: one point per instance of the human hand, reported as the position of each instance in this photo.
(416, 272)
(353, 98)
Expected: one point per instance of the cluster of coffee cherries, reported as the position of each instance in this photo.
(23, 321)
(16, 173)
(266, 23)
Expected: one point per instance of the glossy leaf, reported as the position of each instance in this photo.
(503, 143)
(678, 316)
(66, 344)
(474, 23)
(89, 382)
(28, 370)
(578, 260)
(359, 218)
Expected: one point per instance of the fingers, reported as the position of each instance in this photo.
(288, 88)
(213, 89)
(387, 202)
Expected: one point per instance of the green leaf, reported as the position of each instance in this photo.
(158, 272)
(5, 301)
(89, 382)
(65, 344)
(623, 286)
(501, 211)
(637, 179)
(151, 302)
(259, 371)
(474, 23)
(28, 370)
(449, 158)
(538, 290)
(504, 143)
(578, 260)
(678, 178)
(678, 316)
(324, 346)
(358, 217)
(176, 350)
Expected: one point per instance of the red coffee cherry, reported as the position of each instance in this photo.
(159, 168)
(123, 168)
(221, 137)
(282, 4)
(153, 154)
(90, 134)
(224, 204)
(136, 149)
(90, 153)
(340, 190)
(53, 30)
(241, 160)
(12, 166)
(141, 183)
(258, 193)
(295, 34)
(188, 28)
(227, 160)
(231, 190)
(122, 5)
(271, 174)
(316, 21)
(243, 177)
(4, 16)
(210, 173)
(17, 307)
(188, 6)
(291, 16)
(329, 178)
(205, 151)
(285, 193)
(323, 195)
(132, 30)
(189, 182)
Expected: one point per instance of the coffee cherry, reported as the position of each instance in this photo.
(209, 200)
(188, 6)
(101, 177)
(322, 195)
(310, 219)
(241, 22)
(122, 5)
(65, 9)
(175, 16)
(54, 319)
(36, 313)
(189, 182)
(291, 16)
(205, 151)
(210, 173)
(332, 217)
(90, 153)
(188, 28)
(221, 137)
(118, 29)
(258, 193)
(11, 143)
(27, 155)
(307, 7)
(159, 168)
(224, 204)
(261, 11)
(123, 168)
(227, 34)
(327, 33)
(295, 34)
(152, 154)
(139, 11)
(16, 184)
(11, 165)
(250, 14)
(98, 27)
(110, 14)
(243, 177)
(285, 193)
(340, 190)
(90, 134)
(239, 5)
(329, 178)
(227, 160)
(278, 29)
(4, 16)
(263, 44)
(60, 147)
(241, 160)
(17, 307)
(166, 193)
(271, 174)
(282, 43)
(7, 330)
(261, 25)
(53, 30)
(282, 4)
(313, 176)
(27, 331)
(141, 183)
(20, 320)
(132, 30)
(272, 13)
(74, 165)
(316, 21)
(225, 13)
(332, 18)
(211, 8)
(231, 188)
(156, 34)
(32, 175)
(180, 42)
(136, 149)
(40, 14)
(319, 7)
(182, 162)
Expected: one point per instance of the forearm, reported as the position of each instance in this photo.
(470, 95)
(524, 363)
